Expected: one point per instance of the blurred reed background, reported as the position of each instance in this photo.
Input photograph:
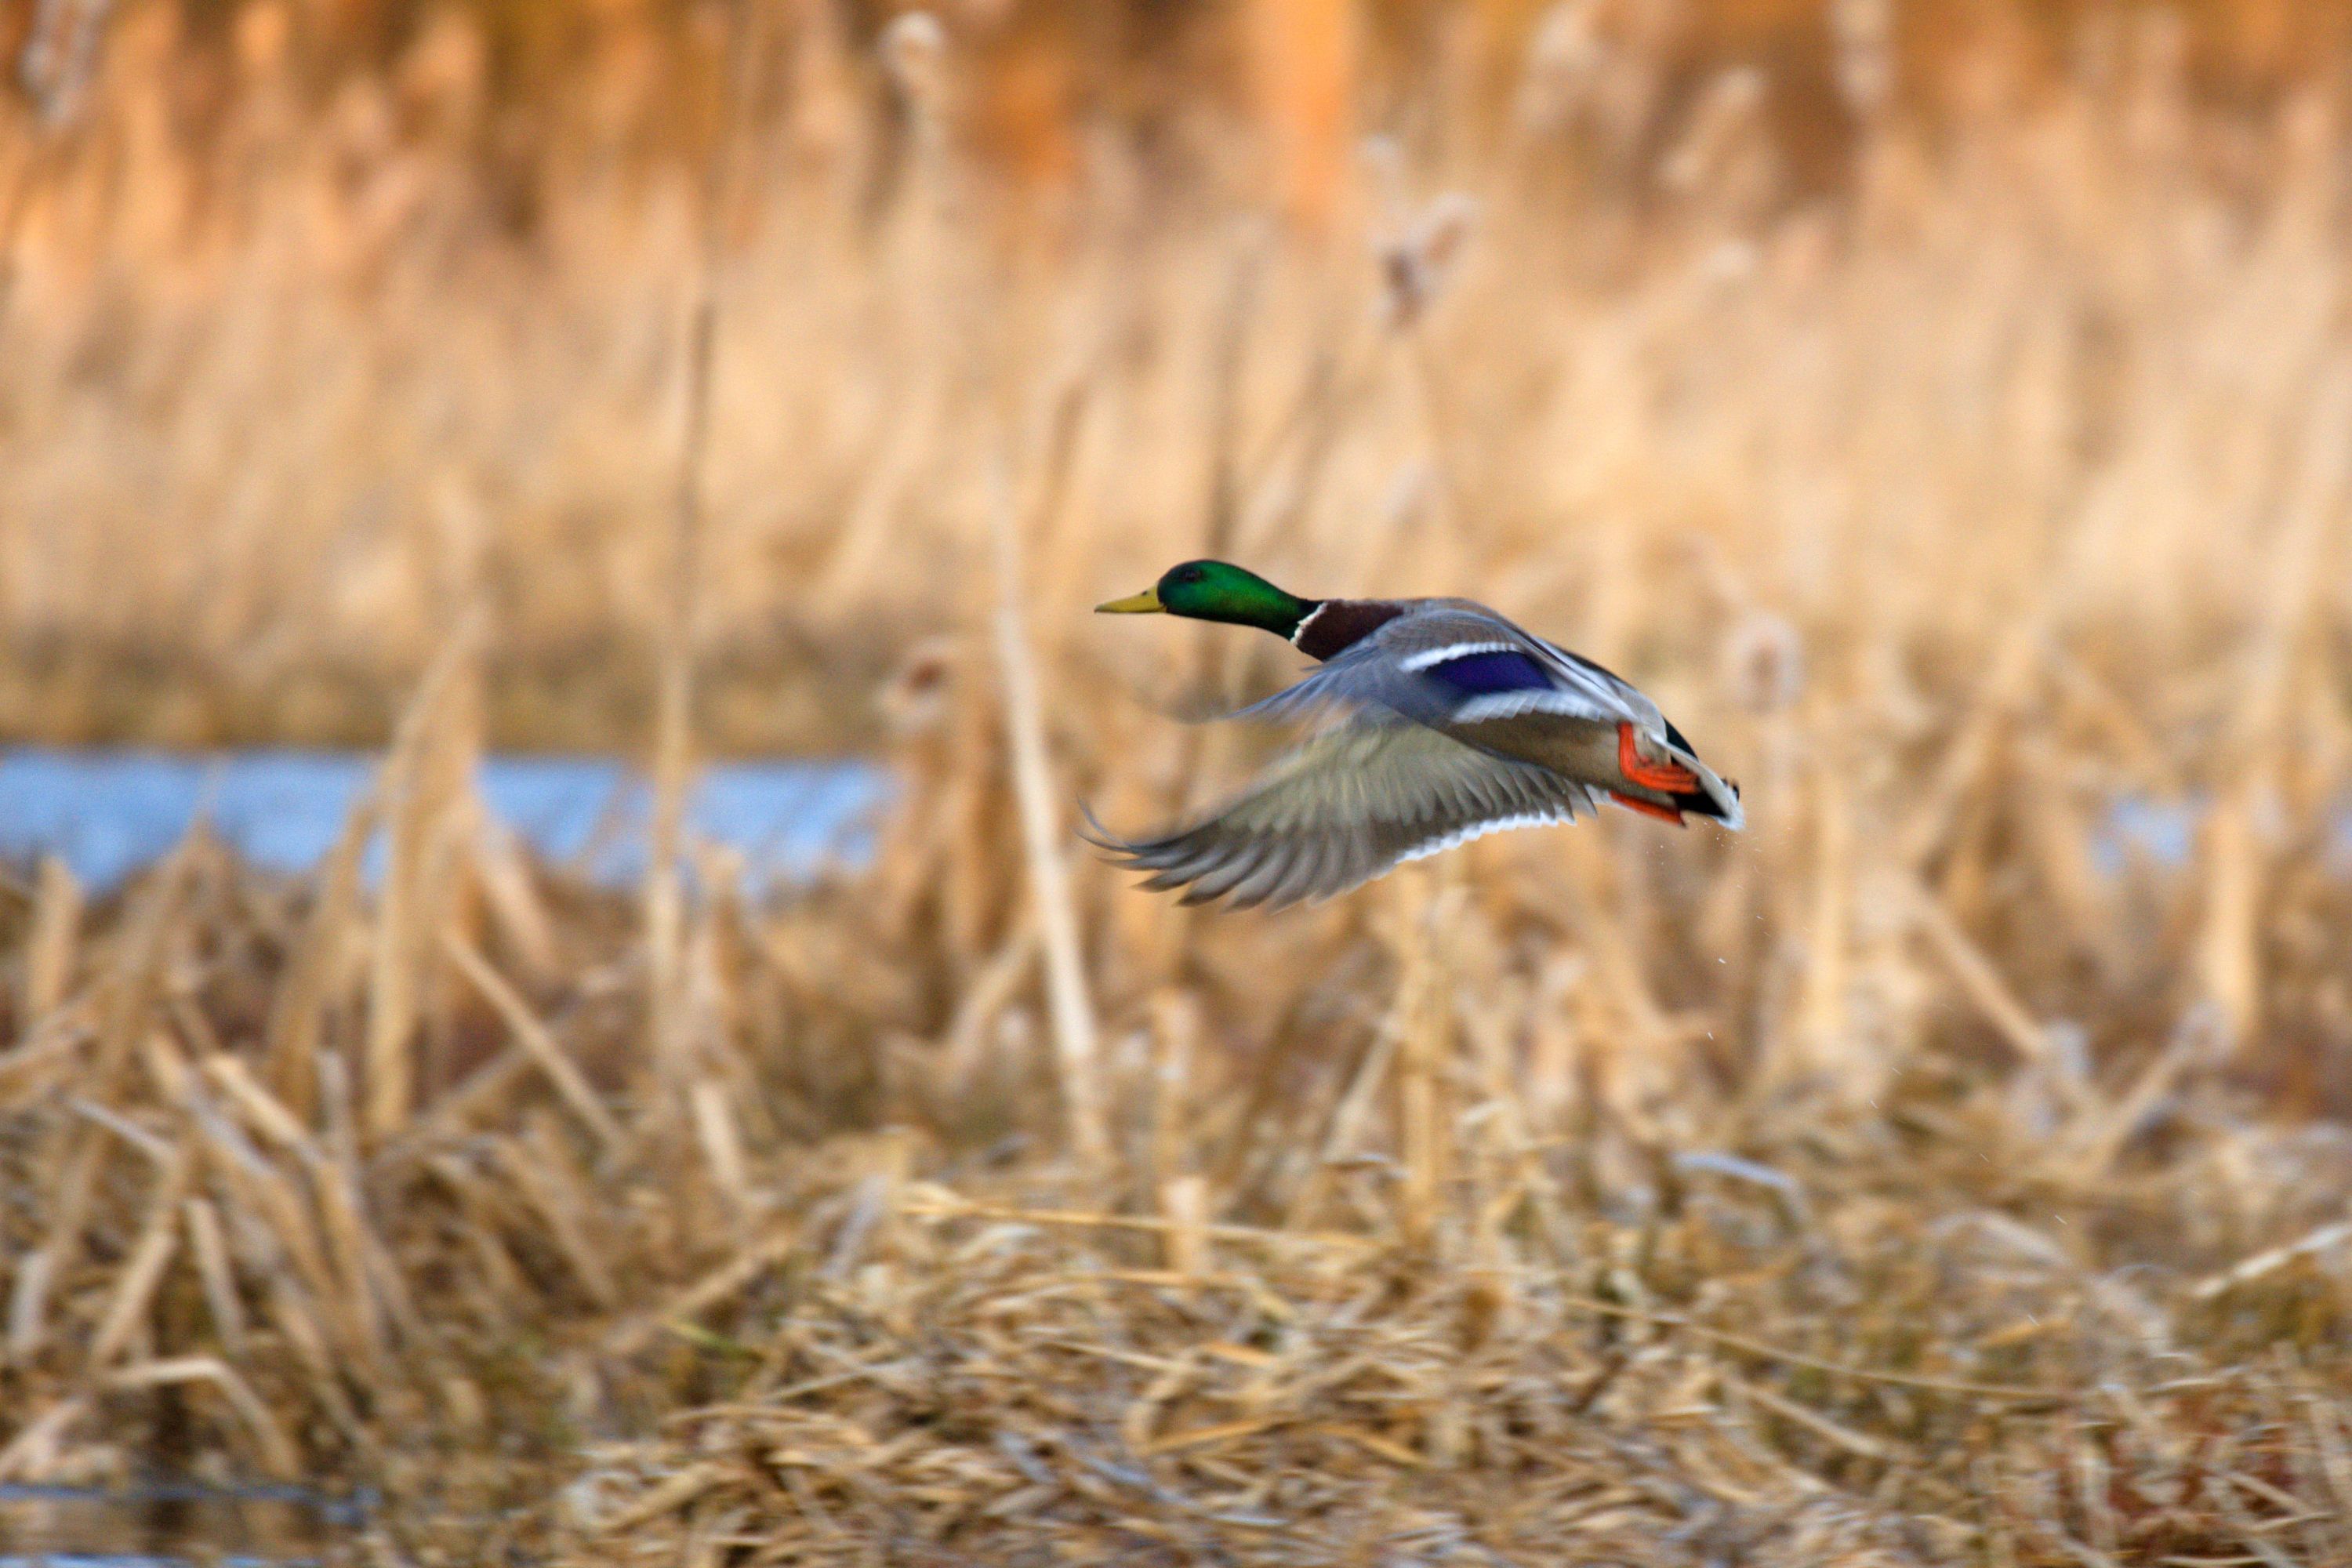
(1942, 410)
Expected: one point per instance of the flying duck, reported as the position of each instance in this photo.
(1457, 723)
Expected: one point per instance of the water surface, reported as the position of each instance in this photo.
(109, 813)
(174, 1524)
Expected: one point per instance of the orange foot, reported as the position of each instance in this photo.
(1667, 778)
(1648, 808)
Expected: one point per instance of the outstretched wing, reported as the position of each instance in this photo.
(1460, 668)
(1456, 663)
(1344, 806)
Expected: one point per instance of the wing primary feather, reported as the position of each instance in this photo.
(1344, 806)
(1273, 865)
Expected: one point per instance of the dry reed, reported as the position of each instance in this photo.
(1937, 1174)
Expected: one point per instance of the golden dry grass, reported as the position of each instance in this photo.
(1896, 1183)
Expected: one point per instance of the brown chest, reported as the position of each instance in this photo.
(1337, 625)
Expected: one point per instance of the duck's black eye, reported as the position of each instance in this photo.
(1189, 574)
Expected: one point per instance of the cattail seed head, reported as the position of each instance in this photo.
(914, 53)
(1416, 264)
(1564, 57)
(61, 55)
(915, 699)
(1863, 33)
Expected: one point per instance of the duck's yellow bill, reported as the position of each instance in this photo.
(1144, 604)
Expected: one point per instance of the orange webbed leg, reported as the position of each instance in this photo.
(1667, 778)
(1648, 808)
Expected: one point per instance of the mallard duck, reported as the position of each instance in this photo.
(1457, 723)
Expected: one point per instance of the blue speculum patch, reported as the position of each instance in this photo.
(1498, 669)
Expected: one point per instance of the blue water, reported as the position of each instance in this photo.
(109, 813)
(134, 1559)
(247, 1525)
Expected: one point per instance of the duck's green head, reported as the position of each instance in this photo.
(1217, 591)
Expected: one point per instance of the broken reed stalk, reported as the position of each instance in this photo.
(134, 1289)
(535, 1040)
(1174, 1025)
(674, 710)
(428, 764)
(297, 1012)
(1424, 1037)
(1042, 838)
(51, 949)
(673, 758)
(1812, 1046)
(2229, 956)
(53, 71)
(80, 1152)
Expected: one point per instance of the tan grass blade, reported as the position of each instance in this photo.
(673, 739)
(1350, 1119)
(722, 1146)
(983, 1002)
(51, 947)
(521, 915)
(1820, 1035)
(368, 1295)
(2229, 951)
(279, 1457)
(1184, 1245)
(1065, 981)
(1175, 1031)
(545, 1179)
(218, 1274)
(1980, 980)
(418, 774)
(329, 934)
(1425, 1037)
(151, 1255)
(537, 1043)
